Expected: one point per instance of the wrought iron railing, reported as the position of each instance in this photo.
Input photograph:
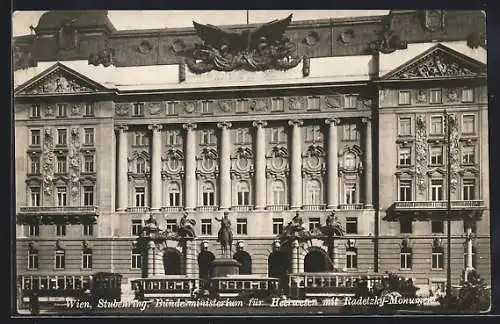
(40, 210)
(455, 204)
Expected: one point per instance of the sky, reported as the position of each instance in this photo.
(143, 19)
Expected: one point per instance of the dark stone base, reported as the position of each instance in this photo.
(222, 267)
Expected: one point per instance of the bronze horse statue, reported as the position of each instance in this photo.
(225, 235)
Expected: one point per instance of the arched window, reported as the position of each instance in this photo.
(140, 165)
(350, 161)
(208, 194)
(174, 194)
(314, 192)
(278, 192)
(243, 190)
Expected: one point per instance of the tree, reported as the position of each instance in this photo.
(473, 296)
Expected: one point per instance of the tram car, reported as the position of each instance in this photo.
(170, 286)
(243, 286)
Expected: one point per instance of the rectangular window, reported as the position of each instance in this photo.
(435, 96)
(61, 137)
(405, 190)
(171, 108)
(140, 197)
(277, 104)
(206, 227)
(350, 132)
(437, 190)
(174, 198)
(436, 153)
(314, 223)
(350, 101)
(88, 196)
(171, 225)
(277, 225)
(136, 259)
(469, 189)
(35, 111)
(60, 230)
(405, 258)
(88, 229)
(404, 126)
(33, 260)
(173, 138)
(35, 165)
(61, 196)
(33, 230)
(61, 164)
(89, 110)
(241, 106)
(437, 125)
(89, 163)
(136, 227)
(206, 107)
(405, 156)
(404, 98)
(208, 198)
(139, 109)
(351, 225)
(468, 124)
(35, 196)
(313, 103)
(468, 153)
(207, 137)
(35, 137)
(242, 136)
(241, 226)
(61, 110)
(405, 226)
(437, 258)
(243, 198)
(60, 259)
(437, 226)
(467, 95)
(89, 136)
(276, 135)
(351, 259)
(87, 259)
(350, 193)
(141, 139)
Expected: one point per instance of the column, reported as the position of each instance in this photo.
(150, 254)
(260, 165)
(122, 187)
(333, 162)
(368, 169)
(469, 250)
(190, 172)
(296, 164)
(159, 267)
(225, 166)
(295, 256)
(156, 190)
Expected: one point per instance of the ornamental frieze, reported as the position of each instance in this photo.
(297, 103)
(122, 108)
(48, 161)
(421, 151)
(58, 83)
(74, 162)
(155, 108)
(259, 49)
(225, 106)
(333, 102)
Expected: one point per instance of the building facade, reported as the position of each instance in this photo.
(115, 129)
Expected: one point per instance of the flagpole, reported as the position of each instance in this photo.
(448, 204)
(248, 17)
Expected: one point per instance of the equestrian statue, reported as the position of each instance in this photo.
(225, 235)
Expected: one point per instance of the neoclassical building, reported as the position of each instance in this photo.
(117, 128)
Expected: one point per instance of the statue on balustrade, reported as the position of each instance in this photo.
(295, 230)
(186, 229)
(225, 235)
(150, 227)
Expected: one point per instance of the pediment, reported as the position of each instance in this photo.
(59, 80)
(438, 62)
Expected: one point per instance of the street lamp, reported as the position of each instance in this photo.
(448, 203)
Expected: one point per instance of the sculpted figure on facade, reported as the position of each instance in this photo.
(259, 49)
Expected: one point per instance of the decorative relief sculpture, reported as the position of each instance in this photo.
(22, 59)
(242, 163)
(259, 105)
(207, 163)
(435, 65)
(453, 95)
(145, 47)
(262, 48)
(49, 111)
(74, 162)
(67, 36)
(306, 66)
(313, 159)
(421, 96)
(155, 108)
(225, 105)
(173, 164)
(454, 150)
(190, 106)
(104, 56)
(122, 108)
(388, 41)
(350, 163)
(48, 161)
(333, 101)
(347, 36)
(277, 162)
(433, 20)
(58, 83)
(297, 103)
(311, 39)
(421, 150)
(76, 109)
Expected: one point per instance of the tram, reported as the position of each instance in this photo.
(243, 286)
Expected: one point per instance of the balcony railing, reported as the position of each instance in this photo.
(351, 206)
(313, 207)
(277, 207)
(172, 209)
(242, 208)
(138, 209)
(206, 208)
(455, 204)
(43, 210)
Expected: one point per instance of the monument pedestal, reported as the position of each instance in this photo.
(222, 267)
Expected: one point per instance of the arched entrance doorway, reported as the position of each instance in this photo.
(278, 266)
(205, 259)
(245, 261)
(172, 262)
(317, 261)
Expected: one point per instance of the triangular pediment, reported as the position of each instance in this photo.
(438, 62)
(59, 80)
